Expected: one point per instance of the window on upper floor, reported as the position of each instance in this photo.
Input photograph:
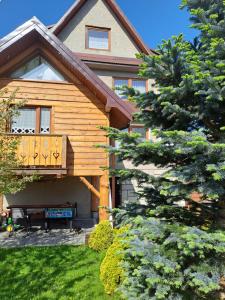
(37, 69)
(141, 130)
(31, 120)
(120, 83)
(97, 38)
(138, 84)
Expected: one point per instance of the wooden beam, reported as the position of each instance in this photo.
(113, 165)
(40, 171)
(90, 186)
(94, 198)
(104, 196)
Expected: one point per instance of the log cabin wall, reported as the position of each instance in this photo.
(77, 113)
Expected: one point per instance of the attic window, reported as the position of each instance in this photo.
(37, 69)
(97, 38)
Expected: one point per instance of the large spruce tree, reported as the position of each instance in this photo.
(186, 112)
(175, 252)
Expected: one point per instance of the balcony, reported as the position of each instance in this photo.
(42, 154)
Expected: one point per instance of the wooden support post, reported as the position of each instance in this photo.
(90, 186)
(94, 198)
(113, 188)
(104, 196)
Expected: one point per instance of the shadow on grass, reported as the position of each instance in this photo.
(47, 273)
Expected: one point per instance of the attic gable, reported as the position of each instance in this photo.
(34, 34)
(124, 40)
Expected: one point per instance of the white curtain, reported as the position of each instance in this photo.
(139, 85)
(38, 69)
(26, 121)
(45, 120)
(98, 39)
(119, 83)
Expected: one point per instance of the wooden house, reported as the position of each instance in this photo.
(67, 74)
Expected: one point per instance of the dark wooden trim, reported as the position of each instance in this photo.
(100, 58)
(97, 28)
(40, 171)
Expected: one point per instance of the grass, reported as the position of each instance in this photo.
(47, 273)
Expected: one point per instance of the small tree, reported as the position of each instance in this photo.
(9, 183)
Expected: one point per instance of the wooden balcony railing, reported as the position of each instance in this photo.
(42, 152)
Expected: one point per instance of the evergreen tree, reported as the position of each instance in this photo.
(9, 183)
(178, 252)
(186, 112)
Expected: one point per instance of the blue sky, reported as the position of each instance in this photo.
(155, 20)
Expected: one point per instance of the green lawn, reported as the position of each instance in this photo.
(47, 273)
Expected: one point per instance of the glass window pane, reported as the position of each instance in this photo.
(119, 83)
(140, 130)
(25, 123)
(118, 143)
(45, 120)
(98, 39)
(38, 69)
(139, 85)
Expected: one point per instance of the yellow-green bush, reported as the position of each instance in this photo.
(111, 272)
(101, 237)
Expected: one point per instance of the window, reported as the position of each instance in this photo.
(37, 69)
(140, 130)
(119, 83)
(97, 38)
(138, 84)
(32, 120)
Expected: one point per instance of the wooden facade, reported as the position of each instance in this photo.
(76, 114)
(78, 106)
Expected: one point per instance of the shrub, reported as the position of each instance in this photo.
(170, 261)
(101, 237)
(111, 272)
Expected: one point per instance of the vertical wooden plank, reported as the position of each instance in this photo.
(104, 185)
(38, 120)
(113, 165)
(104, 196)
(94, 198)
(59, 152)
(37, 150)
(64, 152)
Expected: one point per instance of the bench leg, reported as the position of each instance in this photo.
(71, 225)
(46, 225)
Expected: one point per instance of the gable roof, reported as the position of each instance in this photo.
(33, 31)
(71, 13)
